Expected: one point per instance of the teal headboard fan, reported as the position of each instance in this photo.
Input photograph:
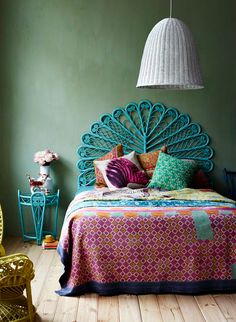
(143, 127)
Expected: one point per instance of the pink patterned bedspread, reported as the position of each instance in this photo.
(148, 244)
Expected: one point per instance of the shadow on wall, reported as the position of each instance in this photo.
(60, 172)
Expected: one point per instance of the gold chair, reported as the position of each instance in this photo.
(16, 272)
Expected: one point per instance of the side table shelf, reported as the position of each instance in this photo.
(38, 201)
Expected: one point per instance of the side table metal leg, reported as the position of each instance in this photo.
(56, 215)
(22, 224)
(38, 202)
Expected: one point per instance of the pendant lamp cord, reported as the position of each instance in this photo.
(171, 7)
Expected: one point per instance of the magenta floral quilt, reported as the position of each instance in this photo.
(148, 243)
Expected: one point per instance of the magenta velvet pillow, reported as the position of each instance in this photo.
(116, 152)
(121, 171)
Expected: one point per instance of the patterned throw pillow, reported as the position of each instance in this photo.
(148, 160)
(116, 152)
(172, 173)
(118, 172)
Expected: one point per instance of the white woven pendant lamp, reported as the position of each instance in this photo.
(170, 59)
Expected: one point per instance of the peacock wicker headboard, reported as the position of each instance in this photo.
(143, 127)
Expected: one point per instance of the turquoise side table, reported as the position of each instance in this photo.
(38, 201)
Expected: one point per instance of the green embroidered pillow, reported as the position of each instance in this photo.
(172, 173)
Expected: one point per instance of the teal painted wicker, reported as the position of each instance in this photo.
(38, 202)
(143, 127)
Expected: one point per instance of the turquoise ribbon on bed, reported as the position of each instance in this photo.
(203, 225)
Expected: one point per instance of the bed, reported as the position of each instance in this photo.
(147, 240)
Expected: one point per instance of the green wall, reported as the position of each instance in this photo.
(64, 62)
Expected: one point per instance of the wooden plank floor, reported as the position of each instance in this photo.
(123, 308)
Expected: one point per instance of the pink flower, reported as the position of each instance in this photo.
(45, 157)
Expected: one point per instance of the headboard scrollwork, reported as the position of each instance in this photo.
(143, 127)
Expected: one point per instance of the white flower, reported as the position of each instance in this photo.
(45, 157)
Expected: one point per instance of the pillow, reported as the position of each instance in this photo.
(200, 180)
(118, 172)
(172, 173)
(148, 160)
(116, 152)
